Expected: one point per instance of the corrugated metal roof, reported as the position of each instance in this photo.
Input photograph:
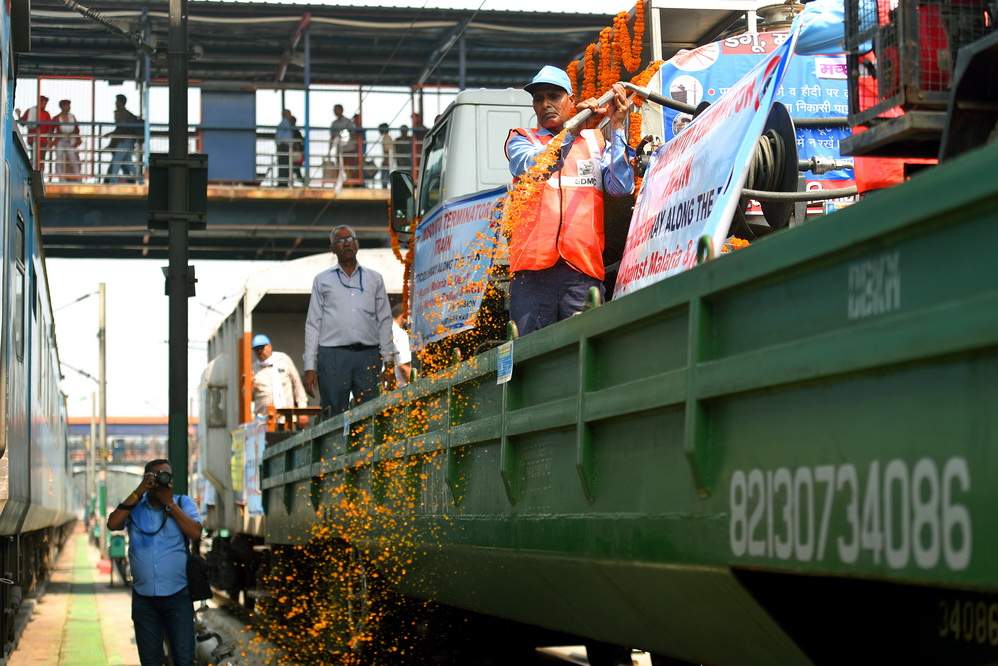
(247, 42)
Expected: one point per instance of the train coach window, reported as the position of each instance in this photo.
(19, 252)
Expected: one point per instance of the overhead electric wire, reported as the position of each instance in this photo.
(436, 64)
(75, 301)
(83, 373)
(453, 40)
(360, 105)
(391, 57)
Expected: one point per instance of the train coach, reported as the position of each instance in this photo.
(38, 504)
(273, 302)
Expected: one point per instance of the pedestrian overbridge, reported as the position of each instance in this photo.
(264, 200)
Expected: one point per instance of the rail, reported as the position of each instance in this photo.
(106, 153)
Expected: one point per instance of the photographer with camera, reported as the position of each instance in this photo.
(159, 525)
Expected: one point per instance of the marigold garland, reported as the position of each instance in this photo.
(633, 139)
(634, 129)
(406, 260)
(573, 76)
(607, 75)
(617, 47)
(394, 236)
(622, 37)
(407, 276)
(644, 77)
(589, 72)
(634, 122)
(630, 47)
(637, 41)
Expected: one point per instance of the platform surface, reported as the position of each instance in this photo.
(80, 620)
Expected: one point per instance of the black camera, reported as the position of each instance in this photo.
(163, 478)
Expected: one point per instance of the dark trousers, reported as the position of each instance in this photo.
(540, 298)
(156, 617)
(345, 369)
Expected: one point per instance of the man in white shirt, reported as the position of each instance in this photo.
(342, 149)
(388, 161)
(349, 321)
(275, 380)
(403, 365)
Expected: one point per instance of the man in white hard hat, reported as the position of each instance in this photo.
(275, 380)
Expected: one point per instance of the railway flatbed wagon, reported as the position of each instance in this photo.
(786, 455)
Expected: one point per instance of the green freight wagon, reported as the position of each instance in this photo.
(784, 456)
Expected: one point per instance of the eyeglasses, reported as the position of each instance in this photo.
(344, 240)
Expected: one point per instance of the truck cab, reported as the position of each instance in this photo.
(463, 153)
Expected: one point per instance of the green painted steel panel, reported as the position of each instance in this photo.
(820, 406)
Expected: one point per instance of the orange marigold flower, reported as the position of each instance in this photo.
(589, 72)
(573, 75)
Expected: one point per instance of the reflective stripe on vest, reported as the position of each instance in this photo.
(567, 220)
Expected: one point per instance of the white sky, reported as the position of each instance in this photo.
(137, 308)
(137, 322)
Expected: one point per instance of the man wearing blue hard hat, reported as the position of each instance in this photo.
(556, 247)
(275, 380)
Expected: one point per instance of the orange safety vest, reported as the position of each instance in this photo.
(567, 222)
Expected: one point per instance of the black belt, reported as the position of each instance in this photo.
(356, 347)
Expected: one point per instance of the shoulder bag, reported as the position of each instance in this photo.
(197, 573)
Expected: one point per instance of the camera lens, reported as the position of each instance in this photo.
(164, 478)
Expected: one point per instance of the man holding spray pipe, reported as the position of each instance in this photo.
(556, 246)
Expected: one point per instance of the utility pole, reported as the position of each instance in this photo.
(179, 280)
(91, 491)
(102, 387)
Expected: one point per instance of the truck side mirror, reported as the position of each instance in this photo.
(403, 201)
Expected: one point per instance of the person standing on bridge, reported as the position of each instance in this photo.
(38, 120)
(349, 320)
(67, 139)
(403, 149)
(275, 380)
(556, 249)
(284, 137)
(388, 159)
(159, 526)
(341, 146)
(127, 129)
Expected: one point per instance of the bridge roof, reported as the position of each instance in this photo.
(252, 43)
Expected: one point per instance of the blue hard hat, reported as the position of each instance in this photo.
(259, 340)
(551, 75)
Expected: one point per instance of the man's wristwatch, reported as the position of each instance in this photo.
(168, 509)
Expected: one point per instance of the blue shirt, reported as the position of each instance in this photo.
(284, 131)
(618, 177)
(158, 561)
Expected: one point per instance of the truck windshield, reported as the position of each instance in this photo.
(431, 187)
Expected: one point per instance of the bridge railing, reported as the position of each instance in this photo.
(105, 153)
(86, 152)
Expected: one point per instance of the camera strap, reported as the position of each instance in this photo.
(136, 525)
